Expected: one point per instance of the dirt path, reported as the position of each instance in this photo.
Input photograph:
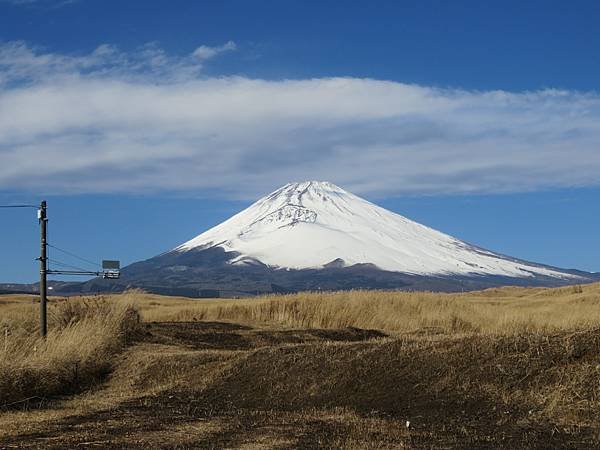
(223, 385)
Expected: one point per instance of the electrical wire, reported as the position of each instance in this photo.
(66, 266)
(74, 255)
(66, 252)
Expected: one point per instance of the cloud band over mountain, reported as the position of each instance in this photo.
(112, 121)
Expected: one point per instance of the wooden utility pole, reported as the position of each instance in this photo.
(111, 269)
(43, 269)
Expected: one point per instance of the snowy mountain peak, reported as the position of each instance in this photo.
(315, 224)
(301, 202)
(314, 187)
(297, 194)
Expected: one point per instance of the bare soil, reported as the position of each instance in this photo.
(227, 385)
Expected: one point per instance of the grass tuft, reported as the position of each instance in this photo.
(84, 335)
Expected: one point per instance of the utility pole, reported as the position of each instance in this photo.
(111, 269)
(43, 268)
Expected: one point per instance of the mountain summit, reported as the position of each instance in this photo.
(315, 235)
(317, 224)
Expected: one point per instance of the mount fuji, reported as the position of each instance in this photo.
(315, 235)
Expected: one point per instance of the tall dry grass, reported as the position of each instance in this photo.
(84, 335)
(494, 311)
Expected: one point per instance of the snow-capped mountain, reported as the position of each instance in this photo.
(315, 235)
(315, 224)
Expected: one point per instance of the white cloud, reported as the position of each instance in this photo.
(20, 63)
(204, 52)
(148, 121)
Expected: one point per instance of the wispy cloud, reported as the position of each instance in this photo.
(20, 64)
(149, 121)
(205, 52)
(41, 3)
(19, 2)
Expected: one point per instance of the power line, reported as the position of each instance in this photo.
(95, 264)
(45, 261)
(55, 262)
(67, 266)
(66, 252)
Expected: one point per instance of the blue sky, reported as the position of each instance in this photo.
(145, 123)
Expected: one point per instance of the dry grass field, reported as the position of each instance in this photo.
(86, 335)
(504, 311)
(502, 368)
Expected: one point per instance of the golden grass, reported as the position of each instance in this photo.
(84, 334)
(501, 368)
(494, 311)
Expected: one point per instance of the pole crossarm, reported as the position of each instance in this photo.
(112, 274)
(111, 269)
(73, 272)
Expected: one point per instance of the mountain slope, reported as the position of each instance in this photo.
(312, 224)
(315, 235)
